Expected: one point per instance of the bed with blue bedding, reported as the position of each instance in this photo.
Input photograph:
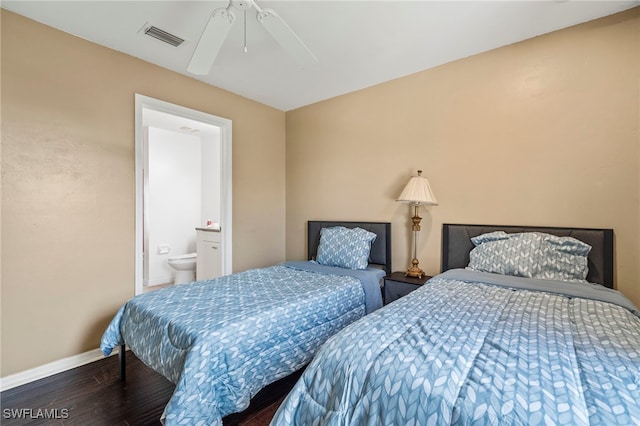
(222, 340)
(497, 342)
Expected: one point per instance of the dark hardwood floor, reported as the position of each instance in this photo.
(94, 395)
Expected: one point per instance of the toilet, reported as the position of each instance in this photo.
(185, 266)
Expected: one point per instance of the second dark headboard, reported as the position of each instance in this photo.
(456, 245)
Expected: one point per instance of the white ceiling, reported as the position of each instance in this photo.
(358, 43)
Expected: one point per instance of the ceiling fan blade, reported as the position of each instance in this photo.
(211, 41)
(285, 36)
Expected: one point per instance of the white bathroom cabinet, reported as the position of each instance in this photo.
(209, 248)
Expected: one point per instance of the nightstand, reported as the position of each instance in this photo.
(397, 285)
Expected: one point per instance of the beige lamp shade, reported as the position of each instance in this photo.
(418, 192)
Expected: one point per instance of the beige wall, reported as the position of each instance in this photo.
(543, 132)
(68, 185)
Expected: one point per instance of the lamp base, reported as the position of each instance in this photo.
(414, 271)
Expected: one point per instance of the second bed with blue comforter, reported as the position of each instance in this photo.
(221, 341)
(479, 348)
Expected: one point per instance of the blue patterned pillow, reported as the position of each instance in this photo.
(532, 255)
(565, 260)
(344, 247)
(491, 236)
(514, 255)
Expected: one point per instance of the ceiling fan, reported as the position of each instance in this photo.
(220, 24)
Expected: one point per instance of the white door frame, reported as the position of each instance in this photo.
(144, 102)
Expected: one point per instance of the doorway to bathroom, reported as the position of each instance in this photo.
(183, 181)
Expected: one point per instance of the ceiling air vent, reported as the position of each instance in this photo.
(162, 35)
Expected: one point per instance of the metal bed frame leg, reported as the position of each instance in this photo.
(123, 363)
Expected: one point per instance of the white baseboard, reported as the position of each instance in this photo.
(51, 368)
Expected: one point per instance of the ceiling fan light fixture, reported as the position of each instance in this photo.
(219, 25)
(243, 4)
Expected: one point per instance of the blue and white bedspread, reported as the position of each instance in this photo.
(221, 341)
(457, 351)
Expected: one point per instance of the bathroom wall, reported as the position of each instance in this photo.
(173, 200)
(211, 165)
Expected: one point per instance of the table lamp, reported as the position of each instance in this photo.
(417, 193)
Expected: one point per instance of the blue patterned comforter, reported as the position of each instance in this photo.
(221, 341)
(460, 351)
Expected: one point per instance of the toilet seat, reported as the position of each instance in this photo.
(185, 267)
(184, 256)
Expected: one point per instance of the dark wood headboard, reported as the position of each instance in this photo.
(456, 245)
(380, 249)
